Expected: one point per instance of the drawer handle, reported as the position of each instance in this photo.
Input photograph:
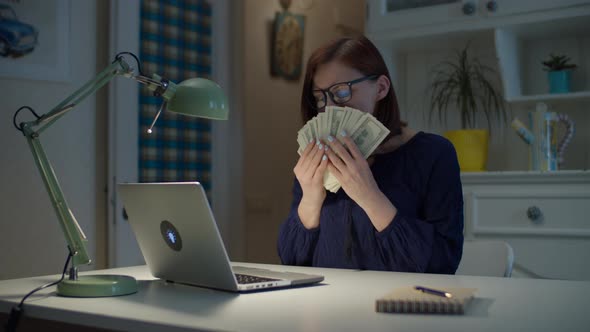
(492, 6)
(468, 8)
(534, 214)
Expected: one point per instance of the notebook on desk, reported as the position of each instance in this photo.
(179, 239)
(412, 300)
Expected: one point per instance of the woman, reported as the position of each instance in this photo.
(399, 210)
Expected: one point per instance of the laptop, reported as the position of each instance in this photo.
(179, 239)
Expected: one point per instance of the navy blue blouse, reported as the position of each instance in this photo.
(422, 180)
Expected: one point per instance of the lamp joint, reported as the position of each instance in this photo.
(73, 273)
(161, 88)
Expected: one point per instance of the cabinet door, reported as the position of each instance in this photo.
(508, 7)
(399, 15)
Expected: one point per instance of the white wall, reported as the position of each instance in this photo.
(32, 242)
(271, 116)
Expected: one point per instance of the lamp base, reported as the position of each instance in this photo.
(98, 286)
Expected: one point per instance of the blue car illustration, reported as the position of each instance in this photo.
(16, 38)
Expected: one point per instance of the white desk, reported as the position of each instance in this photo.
(345, 301)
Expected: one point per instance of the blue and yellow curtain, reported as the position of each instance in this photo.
(176, 44)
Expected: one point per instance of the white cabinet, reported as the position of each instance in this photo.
(523, 33)
(385, 16)
(403, 19)
(545, 217)
(510, 7)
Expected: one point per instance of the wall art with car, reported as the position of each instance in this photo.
(34, 39)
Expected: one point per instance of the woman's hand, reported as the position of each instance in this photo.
(352, 170)
(309, 170)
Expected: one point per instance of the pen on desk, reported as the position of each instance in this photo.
(433, 291)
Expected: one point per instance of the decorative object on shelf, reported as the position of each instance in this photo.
(545, 154)
(465, 85)
(287, 43)
(558, 69)
(194, 97)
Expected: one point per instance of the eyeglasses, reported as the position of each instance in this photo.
(339, 93)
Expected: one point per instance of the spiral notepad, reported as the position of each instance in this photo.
(410, 300)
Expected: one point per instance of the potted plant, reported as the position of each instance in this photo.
(466, 86)
(558, 69)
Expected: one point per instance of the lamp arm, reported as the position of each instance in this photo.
(202, 95)
(70, 227)
(118, 67)
(73, 233)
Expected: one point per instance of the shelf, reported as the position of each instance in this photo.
(573, 96)
(521, 48)
(543, 177)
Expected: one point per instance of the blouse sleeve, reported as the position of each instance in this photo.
(296, 244)
(435, 244)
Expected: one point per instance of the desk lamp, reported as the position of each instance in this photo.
(194, 97)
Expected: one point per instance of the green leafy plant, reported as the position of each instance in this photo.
(557, 63)
(464, 84)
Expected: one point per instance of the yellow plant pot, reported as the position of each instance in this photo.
(472, 148)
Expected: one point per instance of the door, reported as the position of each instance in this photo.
(123, 133)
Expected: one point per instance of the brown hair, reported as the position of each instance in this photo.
(361, 54)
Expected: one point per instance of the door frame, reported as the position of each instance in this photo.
(123, 129)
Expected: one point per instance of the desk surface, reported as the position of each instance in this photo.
(345, 301)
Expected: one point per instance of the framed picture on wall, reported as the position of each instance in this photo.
(287, 45)
(34, 39)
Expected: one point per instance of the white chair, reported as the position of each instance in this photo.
(486, 258)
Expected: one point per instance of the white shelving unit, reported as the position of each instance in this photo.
(521, 48)
(515, 38)
(524, 33)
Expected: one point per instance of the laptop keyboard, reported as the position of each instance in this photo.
(247, 279)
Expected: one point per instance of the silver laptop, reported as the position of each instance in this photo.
(179, 239)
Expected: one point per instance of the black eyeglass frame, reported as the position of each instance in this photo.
(327, 93)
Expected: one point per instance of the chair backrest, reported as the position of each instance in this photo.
(486, 258)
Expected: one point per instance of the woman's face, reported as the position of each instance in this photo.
(365, 94)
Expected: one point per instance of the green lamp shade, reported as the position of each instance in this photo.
(199, 97)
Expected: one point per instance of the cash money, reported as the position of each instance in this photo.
(364, 129)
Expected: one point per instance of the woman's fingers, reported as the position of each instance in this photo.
(319, 172)
(317, 157)
(336, 172)
(303, 157)
(336, 161)
(307, 156)
(340, 150)
(351, 146)
(314, 159)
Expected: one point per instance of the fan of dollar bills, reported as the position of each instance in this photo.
(364, 129)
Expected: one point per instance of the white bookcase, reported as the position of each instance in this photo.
(520, 48)
(515, 38)
(524, 33)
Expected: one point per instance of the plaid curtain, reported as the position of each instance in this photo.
(176, 44)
